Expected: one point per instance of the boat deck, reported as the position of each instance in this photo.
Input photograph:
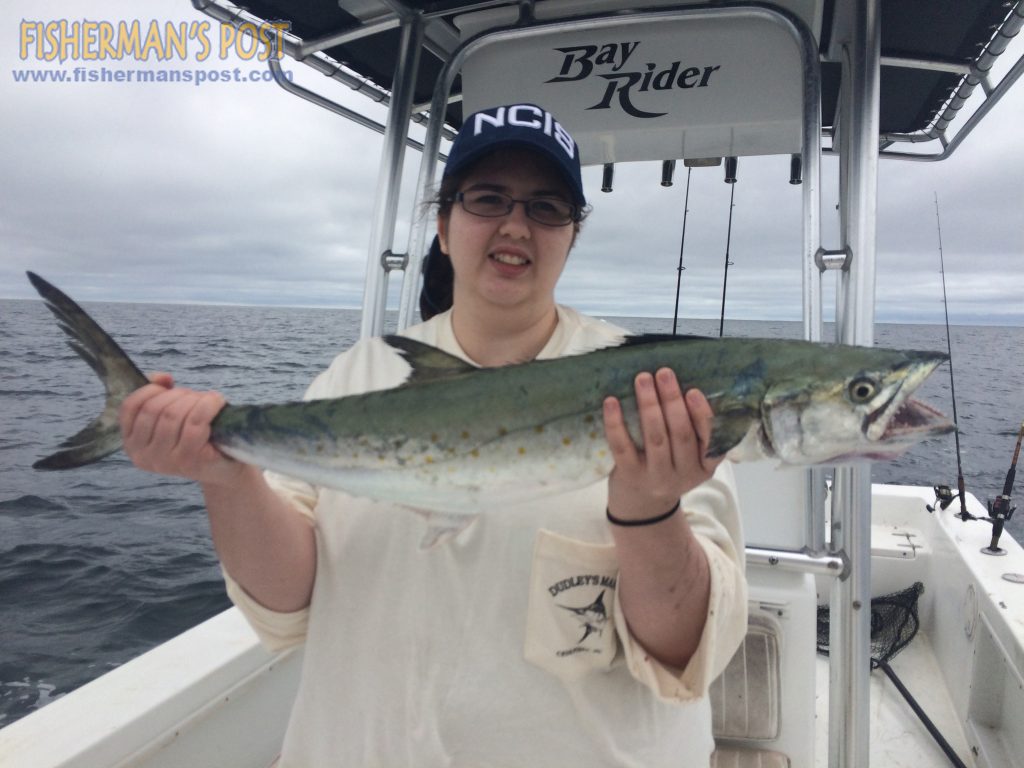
(898, 738)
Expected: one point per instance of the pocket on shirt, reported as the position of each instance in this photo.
(570, 624)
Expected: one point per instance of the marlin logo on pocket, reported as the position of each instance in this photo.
(593, 618)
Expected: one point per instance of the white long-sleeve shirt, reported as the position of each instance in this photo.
(502, 646)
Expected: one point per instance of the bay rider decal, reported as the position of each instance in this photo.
(608, 62)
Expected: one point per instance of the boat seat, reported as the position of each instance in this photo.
(729, 757)
(745, 697)
(745, 701)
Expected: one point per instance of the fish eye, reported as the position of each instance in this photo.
(862, 389)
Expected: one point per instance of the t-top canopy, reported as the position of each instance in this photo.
(928, 50)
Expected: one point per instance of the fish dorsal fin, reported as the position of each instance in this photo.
(428, 363)
(654, 338)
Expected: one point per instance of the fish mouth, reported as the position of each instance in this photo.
(914, 419)
(901, 420)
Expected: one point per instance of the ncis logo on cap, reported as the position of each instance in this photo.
(525, 116)
(525, 125)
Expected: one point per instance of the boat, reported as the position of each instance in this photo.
(859, 79)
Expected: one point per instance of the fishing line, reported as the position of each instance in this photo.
(964, 514)
(682, 242)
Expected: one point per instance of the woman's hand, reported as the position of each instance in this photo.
(676, 431)
(166, 429)
(664, 574)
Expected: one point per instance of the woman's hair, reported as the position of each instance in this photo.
(438, 281)
(445, 198)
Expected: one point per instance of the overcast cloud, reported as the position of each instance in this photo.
(241, 193)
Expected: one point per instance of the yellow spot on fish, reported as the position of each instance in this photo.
(475, 453)
(566, 441)
(593, 434)
(588, 419)
(433, 437)
(522, 451)
(502, 431)
(319, 447)
(429, 459)
(465, 435)
(539, 429)
(601, 454)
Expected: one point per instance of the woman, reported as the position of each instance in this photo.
(580, 629)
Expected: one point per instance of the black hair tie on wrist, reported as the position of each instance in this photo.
(646, 521)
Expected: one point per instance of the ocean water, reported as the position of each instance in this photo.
(99, 564)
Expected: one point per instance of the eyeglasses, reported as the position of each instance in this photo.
(550, 211)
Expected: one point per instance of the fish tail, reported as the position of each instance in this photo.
(118, 373)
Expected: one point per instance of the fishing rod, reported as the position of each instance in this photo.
(682, 242)
(730, 178)
(943, 493)
(999, 509)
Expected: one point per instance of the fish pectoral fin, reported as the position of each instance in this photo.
(730, 428)
(428, 363)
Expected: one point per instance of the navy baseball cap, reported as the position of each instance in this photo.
(525, 125)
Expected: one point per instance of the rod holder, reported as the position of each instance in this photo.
(668, 168)
(796, 171)
(1000, 510)
(606, 177)
(730, 170)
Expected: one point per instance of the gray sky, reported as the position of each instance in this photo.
(241, 193)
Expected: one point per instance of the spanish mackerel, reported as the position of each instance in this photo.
(453, 432)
